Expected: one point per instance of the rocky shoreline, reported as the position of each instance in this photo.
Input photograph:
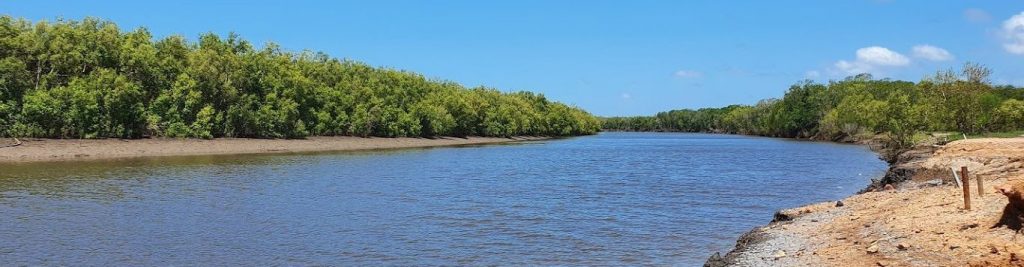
(885, 217)
(899, 170)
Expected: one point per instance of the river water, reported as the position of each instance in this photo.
(609, 199)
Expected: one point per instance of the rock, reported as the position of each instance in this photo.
(993, 250)
(968, 226)
(883, 263)
(779, 254)
(902, 246)
(715, 261)
(932, 183)
(954, 247)
(888, 187)
(872, 249)
(839, 203)
(782, 216)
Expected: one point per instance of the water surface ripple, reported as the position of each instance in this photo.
(610, 199)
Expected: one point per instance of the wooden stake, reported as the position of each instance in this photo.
(956, 178)
(967, 187)
(980, 186)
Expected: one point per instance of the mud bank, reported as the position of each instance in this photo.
(35, 150)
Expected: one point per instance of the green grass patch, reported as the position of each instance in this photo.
(1009, 134)
(953, 136)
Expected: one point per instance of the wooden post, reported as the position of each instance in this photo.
(967, 187)
(980, 186)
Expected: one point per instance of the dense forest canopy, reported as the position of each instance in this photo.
(858, 106)
(90, 79)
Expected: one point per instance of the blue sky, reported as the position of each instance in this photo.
(610, 57)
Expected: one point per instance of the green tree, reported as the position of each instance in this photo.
(90, 79)
(1010, 115)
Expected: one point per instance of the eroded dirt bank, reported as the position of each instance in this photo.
(34, 150)
(918, 221)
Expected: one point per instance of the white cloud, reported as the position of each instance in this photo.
(1013, 31)
(812, 74)
(976, 15)
(626, 96)
(877, 55)
(688, 74)
(869, 59)
(932, 53)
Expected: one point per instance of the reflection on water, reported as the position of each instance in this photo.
(615, 198)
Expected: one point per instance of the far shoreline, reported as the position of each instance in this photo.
(51, 150)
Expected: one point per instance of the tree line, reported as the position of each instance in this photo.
(90, 79)
(858, 107)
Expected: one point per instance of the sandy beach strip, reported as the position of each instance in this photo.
(38, 150)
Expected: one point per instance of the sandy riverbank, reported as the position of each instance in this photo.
(35, 150)
(920, 222)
